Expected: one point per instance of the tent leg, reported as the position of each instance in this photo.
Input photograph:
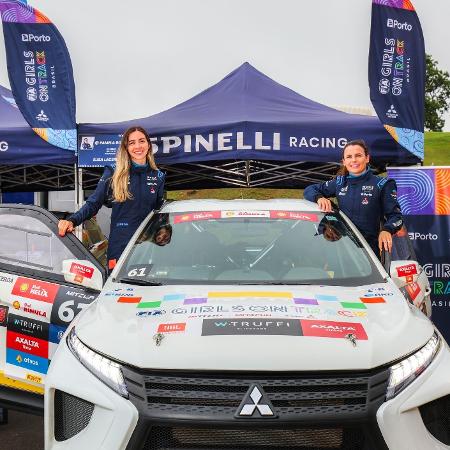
(79, 198)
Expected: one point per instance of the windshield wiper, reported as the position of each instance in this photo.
(139, 282)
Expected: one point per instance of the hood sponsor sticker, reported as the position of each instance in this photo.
(331, 329)
(129, 299)
(409, 269)
(171, 327)
(35, 289)
(251, 326)
(244, 213)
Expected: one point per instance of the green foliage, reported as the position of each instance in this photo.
(437, 149)
(437, 95)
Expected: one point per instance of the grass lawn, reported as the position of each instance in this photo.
(437, 153)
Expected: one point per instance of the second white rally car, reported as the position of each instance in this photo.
(250, 325)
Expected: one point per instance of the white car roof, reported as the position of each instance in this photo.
(239, 204)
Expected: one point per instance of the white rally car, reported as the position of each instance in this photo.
(248, 325)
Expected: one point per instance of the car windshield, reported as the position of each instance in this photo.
(248, 247)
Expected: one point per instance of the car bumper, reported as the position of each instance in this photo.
(118, 423)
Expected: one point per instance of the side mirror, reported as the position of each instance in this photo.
(83, 273)
(404, 272)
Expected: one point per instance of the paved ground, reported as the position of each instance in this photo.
(23, 432)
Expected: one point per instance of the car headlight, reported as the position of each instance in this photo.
(406, 371)
(103, 368)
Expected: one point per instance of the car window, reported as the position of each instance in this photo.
(239, 247)
(29, 243)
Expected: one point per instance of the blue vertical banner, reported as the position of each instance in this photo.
(40, 73)
(424, 196)
(397, 72)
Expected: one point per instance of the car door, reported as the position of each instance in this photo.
(36, 303)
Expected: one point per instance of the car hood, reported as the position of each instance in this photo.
(254, 328)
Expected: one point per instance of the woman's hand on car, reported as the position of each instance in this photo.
(325, 204)
(65, 226)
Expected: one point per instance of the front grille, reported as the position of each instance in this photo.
(72, 415)
(175, 438)
(217, 396)
(436, 417)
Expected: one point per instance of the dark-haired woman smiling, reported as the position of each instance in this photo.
(370, 201)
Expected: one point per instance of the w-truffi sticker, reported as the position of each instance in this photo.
(251, 326)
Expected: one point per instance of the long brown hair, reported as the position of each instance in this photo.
(342, 169)
(123, 164)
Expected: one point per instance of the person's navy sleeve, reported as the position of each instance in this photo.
(391, 208)
(326, 189)
(160, 191)
(95, 201)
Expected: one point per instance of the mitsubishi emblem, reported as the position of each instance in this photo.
(255, 404)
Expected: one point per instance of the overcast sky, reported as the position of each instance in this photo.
(136, 58)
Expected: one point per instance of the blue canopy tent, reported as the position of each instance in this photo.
(27, 162)
(248, 130)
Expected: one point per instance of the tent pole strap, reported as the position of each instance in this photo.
(247, 173)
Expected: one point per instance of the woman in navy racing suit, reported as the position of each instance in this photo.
(370, 201)
(133, 189)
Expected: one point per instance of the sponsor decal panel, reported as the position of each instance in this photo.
(3, 315)
(81, 270)
(27, 326)
(171, 327)
(68, 303)
(251, 326)
(331, 329)
(26, 361)
(56, 333)
(294, 215)
(33, 308)
(27, 344)
(34, 378)
(125, 299)
(413, 290)
(35, 289)
(409, 269)
(192, 217)
(6, 278)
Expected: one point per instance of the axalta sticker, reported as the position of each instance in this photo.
(35, 289)
(171, 327)
(192, 217)
(326, 328)
(27, 344)
(231, 214)
(404, 271)
(80, 269)
(294, 215)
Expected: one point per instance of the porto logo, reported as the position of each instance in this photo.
(255, 404)
(393, 23)
(29, 37)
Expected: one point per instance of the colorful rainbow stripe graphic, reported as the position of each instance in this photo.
(423, 191)
(399, 4)
(15, 12)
